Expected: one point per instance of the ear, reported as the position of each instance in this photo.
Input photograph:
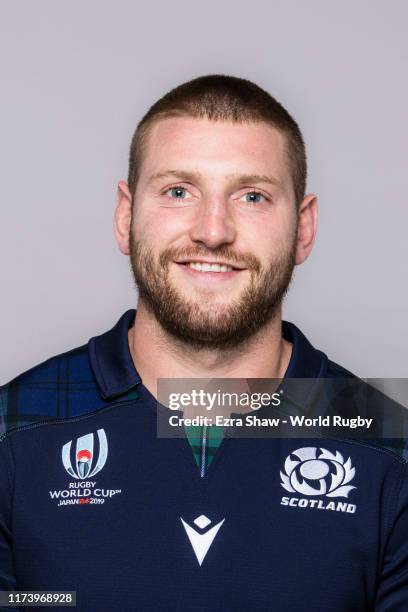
(307, 227)
(123, 217)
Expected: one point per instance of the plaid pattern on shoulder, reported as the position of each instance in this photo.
(63, 386)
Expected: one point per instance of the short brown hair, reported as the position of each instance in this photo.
(223, 98)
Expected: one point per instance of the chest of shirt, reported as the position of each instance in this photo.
(110, 498)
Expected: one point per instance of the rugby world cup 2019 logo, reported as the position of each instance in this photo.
(82, 459)
(85, 464)
(318, 472)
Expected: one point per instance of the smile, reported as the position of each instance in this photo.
(207, 267)
(208, 270)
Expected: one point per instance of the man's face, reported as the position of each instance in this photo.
(213, 193)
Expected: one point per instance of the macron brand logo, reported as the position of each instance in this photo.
(317, 472)
(201, 538)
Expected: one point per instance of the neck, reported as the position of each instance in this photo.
(157, 354)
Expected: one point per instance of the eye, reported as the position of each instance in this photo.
(254, 197)
(177, 192)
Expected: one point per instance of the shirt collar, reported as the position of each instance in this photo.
(111, 360)
(307, 366)
(116, 374)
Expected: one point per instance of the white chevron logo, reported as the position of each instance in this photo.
(201, 542)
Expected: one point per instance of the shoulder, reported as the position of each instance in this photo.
(64, 385)
(354, 396)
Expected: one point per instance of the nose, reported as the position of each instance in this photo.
(214, 224)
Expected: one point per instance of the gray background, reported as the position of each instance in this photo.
(76, 78)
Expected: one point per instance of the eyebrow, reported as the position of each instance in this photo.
(241, 179)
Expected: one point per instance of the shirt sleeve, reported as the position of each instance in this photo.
(7, 577)
(392, 594)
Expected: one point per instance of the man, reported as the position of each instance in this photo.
(214, 218)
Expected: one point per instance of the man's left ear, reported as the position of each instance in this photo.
(307, 227)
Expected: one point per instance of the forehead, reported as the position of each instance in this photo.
(216, 146)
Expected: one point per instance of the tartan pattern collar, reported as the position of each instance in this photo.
(115, 372)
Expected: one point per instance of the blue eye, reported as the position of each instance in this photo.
(178, 193)
(253, 197)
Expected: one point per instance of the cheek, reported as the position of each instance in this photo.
(144, 225)
(281, 233)
(160, 226)
(265, 237)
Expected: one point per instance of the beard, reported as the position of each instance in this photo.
(217, 325)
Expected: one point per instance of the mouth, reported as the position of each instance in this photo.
(211, 273)
(201, 265)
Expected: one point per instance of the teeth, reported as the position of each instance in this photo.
(206, 267)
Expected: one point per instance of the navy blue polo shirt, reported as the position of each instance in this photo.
(94, 501)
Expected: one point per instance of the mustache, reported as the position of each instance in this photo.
(223, 252)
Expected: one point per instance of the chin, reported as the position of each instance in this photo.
(208, 307)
